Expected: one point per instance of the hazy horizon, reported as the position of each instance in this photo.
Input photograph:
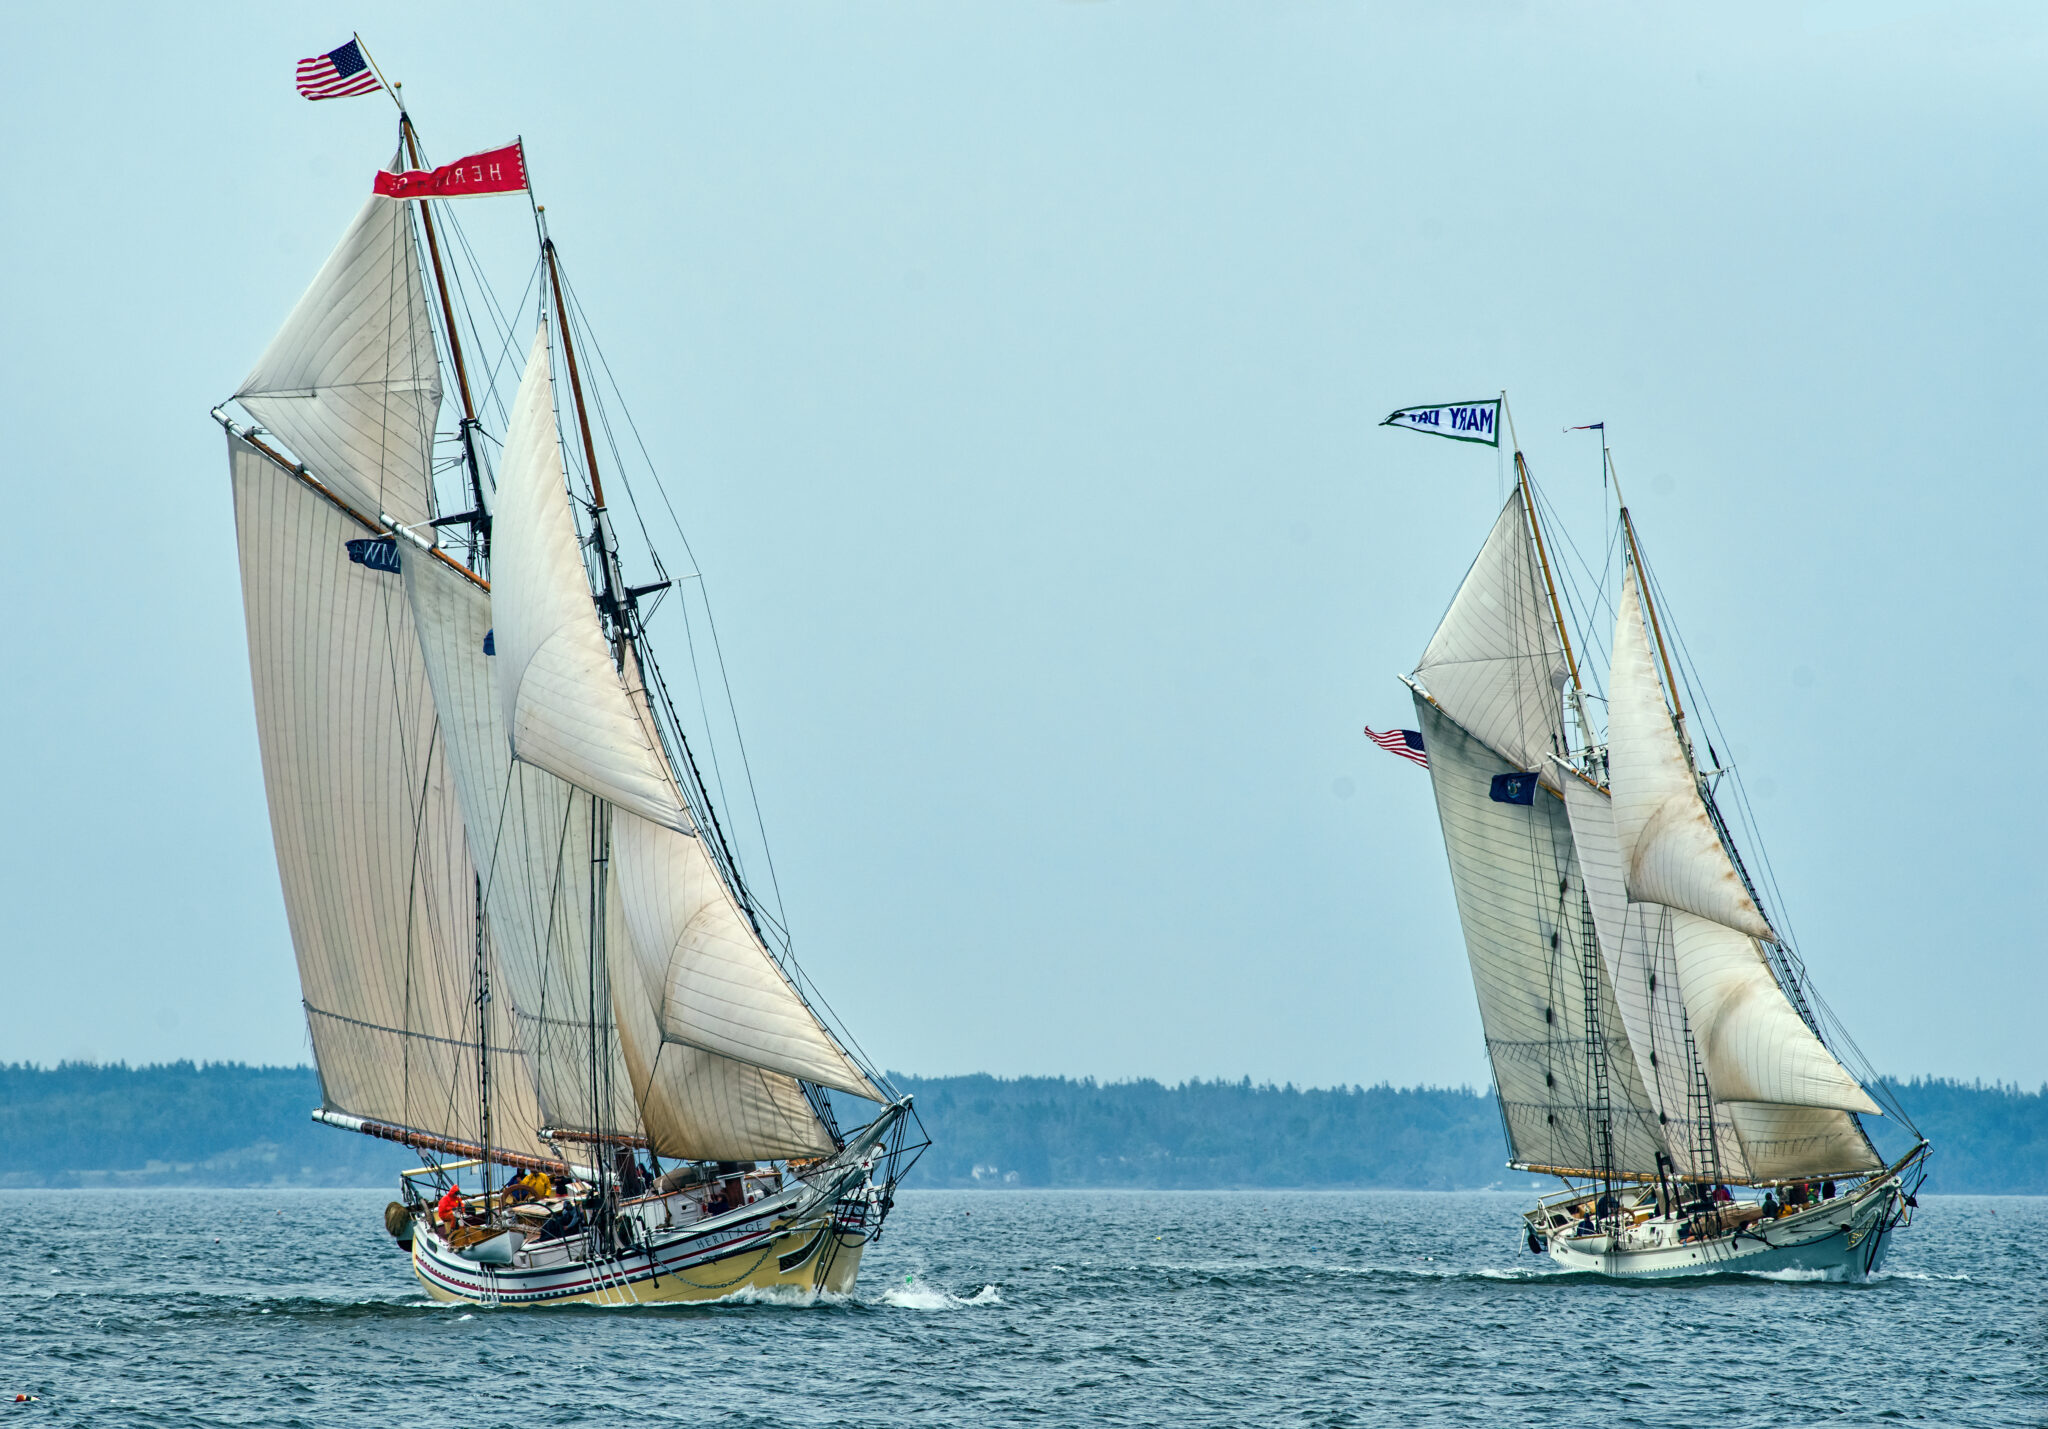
(1016, 369)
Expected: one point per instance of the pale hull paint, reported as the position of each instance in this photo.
(1840, 1240)
(716, 1261)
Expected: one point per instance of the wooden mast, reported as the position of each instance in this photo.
(476, 484)
(575, 378)
(1635, 552)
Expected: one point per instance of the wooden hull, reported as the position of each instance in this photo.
(764, 1248)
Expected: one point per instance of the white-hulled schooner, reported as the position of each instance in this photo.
(523, 937)
(1652, 1031)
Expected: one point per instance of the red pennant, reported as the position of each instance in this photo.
(495, 171)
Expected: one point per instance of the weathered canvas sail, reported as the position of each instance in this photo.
(534, 839)
(1496, 664)
(1521, 903)
(1783, 1142)
(351, 382)
(1756, 1047)
(712, 984)
(1671, 852)
(377, 880)
(1638, 965)
(558, 686)
(694, 1103)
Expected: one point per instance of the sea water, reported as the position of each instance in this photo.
(178, 1308)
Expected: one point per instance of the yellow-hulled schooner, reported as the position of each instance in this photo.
(524, 941)
(1653, 1034)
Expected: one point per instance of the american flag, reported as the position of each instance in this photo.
(337, 73)
(1407, 743)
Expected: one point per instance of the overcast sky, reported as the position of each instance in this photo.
(1016, 366)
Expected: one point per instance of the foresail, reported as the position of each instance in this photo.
(705, 972)
(1528, 934)
(1671, 852)
(378, 884)
(559, 691)
(351, 383)
(1496, 664)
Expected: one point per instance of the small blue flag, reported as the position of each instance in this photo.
(491, 641)
(1513, 789)
(379, 553)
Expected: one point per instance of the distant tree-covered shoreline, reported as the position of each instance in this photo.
(228, 1124)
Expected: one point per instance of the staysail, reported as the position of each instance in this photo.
(558, 686)
(534, 839)
(1671, 852)
(378, 885)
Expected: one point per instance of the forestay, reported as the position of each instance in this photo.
(558, 687)
(1496, 664)
(378, 885)
(351, 382)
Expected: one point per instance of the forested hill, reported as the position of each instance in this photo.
(225, 1124)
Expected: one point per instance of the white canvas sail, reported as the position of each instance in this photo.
(1496, 664)
(1671, 852)
(531, 834)
(696, 1104)
(712, 984)
(351, 382)
(378, 885)
(1645, 991)
(559, 689)
(1521, 902)
(534, 838)
(1756, 1046)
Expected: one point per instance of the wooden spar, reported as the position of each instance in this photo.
(296, 470)
(427, 1141)
(1543, 558)
(1628, 525)
(575, 378)
(412, 148)
(594, 1138)
(476, 476)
